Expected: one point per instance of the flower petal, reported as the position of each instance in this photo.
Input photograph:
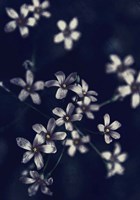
(36, 98)
(58, 38)
(24, 31)
(85, 139)
(46, 190)
(39, 128)
(68, 43)
(11, 13)
(59, 112)
(59, 135)
(48, 148)
(124, 90)
(60, 77)
(36, 3)
(106, 155)
(75, 134)
(27, 156)
(38, 140)
(23, 95)
(89, 115)
(70, 109)
(115, 135)
(31, 21)
(51, 125)
(51, 83)
(34, 174)
(106, 119)
(18, 81)
(29, 77)
(27, 180)
(61, 93)
(23, 143)
(24, 10)
(71, 150)
(10, 26)
(101, 127)
(60, 122)
(39, 85)
(69, 126)
(129, 60)
(73, 23)
(61, 25)
(83, 149)
(32, 190)
(75, 88)
(108, 139)
(38, 159)
(68, 142)
(76, 117)
(75, 35)
(122, 157)
(115, 125)
(111, 68)
(45, 4)
(46, 14)
(135, 101)
(71, 78)
(117, 149)
(115, 59)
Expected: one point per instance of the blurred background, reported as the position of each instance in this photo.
(107, 27)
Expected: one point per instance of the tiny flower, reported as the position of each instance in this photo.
(34, 150)
(132, 87)
(67, 117)
(85, 107)
(29, 88)
(39, 9)
(114, 161)
(49, 135)
(37, 180)
(19, 20)
(85, 93)
(64, 84)
(120, 67)
(68, 33)
(109, 130)
(77, 143)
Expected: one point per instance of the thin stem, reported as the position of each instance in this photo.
(113, 99)
(47, 162)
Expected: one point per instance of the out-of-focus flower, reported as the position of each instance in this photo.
(35, 149)
(39, 9)
(64, 84)
(77, 143)
(85, 107)
(68, 33)
(121, 67)
(67, 117)
(19, 20)
(29, 88)
(37, 180)
(85, 93)
(109, 130)
(114, 161)
(132, 87)
(49, 135)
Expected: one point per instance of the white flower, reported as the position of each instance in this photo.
(84, 92)
(67, 117)
(109, 130)
(34, 150)
(49, 134)
(37, 180)
(39, 9)
(132, 87)
(121, 67)
(19, 20)
(68, 33)
(85, 107)
(114, 161)
(29, 88)
(64, 84)
(77, 143)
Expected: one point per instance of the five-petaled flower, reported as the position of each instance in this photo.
(64, 84)
(121, 67)
(39, 9)
(109, 129)
(49, 134)
(35, 149)
(29, 88)
(19, 20)
(68, 33)
(85, 107)
(132, 87)
(114, 160)
(67, 117)
(77, 143)
(37, 180)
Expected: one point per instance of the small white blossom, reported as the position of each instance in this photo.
(64, 83)
(121, 67)
(29, 87)
(109, 130)
(77, 143)
(49, 134)
(132, 87)
(114, 161)
(35, 149)
(68, 33)
(67, 117)
(85, 107)
(37, 180)
(40, 9)
(19, 20)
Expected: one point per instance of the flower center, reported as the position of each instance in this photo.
(84, 92)
(107, 130)
(67, 118)
(67, 32)
(76, 142)
(38, 10)
(64, 86)
(21, 21)
(135, 87)
(48, 136)
(35, 149)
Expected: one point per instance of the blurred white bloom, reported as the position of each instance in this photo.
(68, 33)
(49, 134)
(64, 84)
(109, 130)
(35, 149)
(85, 107)
(114, 161)
(19, 20)
(39, 9)
(132, 87)
(84, 92)
(77, 143)
(67, 117)
(121, 67)
(29, 88)
(37, 180)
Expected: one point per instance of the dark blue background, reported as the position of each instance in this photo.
(107, 27)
